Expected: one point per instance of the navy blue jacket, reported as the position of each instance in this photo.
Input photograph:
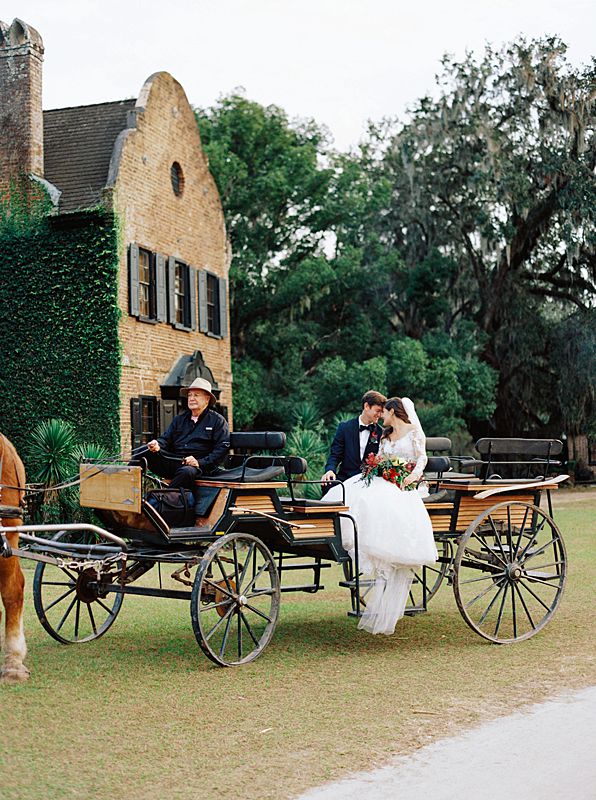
(208, 439)
(344, 458)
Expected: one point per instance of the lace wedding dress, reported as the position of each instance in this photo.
(394, 534)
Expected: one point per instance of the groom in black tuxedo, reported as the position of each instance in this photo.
(355, 439)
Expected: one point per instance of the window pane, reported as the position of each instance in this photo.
(213, 325)
(181, 295)
(146, 285)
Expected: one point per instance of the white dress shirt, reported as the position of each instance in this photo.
(364, 437)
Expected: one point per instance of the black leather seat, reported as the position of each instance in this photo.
(245, 474)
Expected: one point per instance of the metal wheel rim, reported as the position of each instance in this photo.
(238, 615)
(510, 594)
(69, 609)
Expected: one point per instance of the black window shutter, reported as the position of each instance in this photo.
(133, 279)
(136, 422)
(171, 290)
(192, 280)
(160, 288)
(223, 307)
(203, 319)
(167, 412)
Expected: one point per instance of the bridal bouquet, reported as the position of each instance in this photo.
(392, 468)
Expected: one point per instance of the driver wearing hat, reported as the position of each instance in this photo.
(199, 438)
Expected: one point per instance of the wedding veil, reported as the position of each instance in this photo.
(411, 412)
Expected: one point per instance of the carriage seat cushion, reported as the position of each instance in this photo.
(251, 475)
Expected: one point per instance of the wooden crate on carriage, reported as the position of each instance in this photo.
(114, 487)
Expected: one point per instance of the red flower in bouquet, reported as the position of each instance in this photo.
(391, 468)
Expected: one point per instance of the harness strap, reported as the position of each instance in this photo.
(11, 512)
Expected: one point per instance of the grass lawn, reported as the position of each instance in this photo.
(141, 713)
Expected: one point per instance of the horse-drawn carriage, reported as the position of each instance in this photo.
(499, 549)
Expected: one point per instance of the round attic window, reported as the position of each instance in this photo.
(177, 178)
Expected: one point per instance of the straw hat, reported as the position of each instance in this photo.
(199, 383)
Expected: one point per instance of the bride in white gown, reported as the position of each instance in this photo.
(394, 529)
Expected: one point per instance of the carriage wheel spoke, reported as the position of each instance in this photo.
(59, 583)
(540, 550)
(220, 622)
(509, 537)
(249, 629)
(523, 602)
(62, 596)
(77, 619)
(239, 635)
(482, 594)
(489, 549)
(542, 580)
(91, 618)
(490, 605)
(552, 564)
(260, 593)
(236, 570)
(246, 564)
(224, 574)
(225, 636)
(106, 608)
(484, 578)
(534, 538)
(497, 539)
(527, 588)
(513, 612)
(219, 587)
(255, 578)
(66, 613)
(215, 605)
(256, 611)
(521, 533)
(500, 616)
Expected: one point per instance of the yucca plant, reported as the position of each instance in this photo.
(89, 451)
(49, 454)
(309, 445)
(306, 416)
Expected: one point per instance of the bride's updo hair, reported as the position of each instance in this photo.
(396, 404)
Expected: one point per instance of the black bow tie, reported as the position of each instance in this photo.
(366, 427)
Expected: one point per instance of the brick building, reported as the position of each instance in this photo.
(141, 161)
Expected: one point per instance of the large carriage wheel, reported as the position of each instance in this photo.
(235, 599)
(509, 572)
(69, 603)
(433, 576)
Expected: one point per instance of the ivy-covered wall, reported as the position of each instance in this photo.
(59, 348)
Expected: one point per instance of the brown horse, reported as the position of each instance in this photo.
(12, 581)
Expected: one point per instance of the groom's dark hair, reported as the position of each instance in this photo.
(372, 398)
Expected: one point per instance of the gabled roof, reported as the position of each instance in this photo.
(78, 145)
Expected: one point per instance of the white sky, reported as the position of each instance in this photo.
(339, 61)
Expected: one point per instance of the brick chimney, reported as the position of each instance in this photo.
(21, 118)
